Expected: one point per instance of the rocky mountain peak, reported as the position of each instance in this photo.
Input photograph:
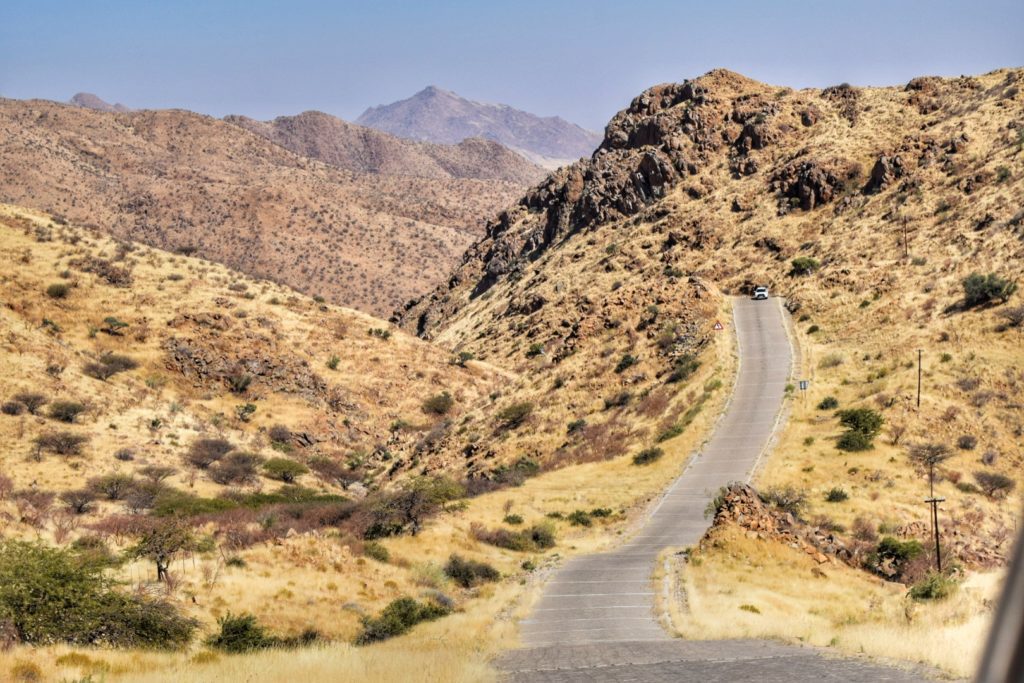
(442, 116)
(88, 100)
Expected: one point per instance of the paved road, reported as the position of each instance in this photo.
(595, 619)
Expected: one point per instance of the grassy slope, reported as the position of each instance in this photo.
(752, 245)
(317, 580)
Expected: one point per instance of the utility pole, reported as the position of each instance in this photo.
(934, 502)
(906, 245)
(920, 353)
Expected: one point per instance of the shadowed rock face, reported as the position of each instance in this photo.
(437, 115)
(666, 136)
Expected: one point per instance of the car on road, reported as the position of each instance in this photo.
(760, 293)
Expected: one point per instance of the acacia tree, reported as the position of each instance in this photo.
(929, 455)
(162, 542)
(418, 499)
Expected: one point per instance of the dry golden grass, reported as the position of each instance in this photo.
(310, 580)
(585, 304)
(746, 587)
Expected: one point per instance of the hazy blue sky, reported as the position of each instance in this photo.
(583, 60)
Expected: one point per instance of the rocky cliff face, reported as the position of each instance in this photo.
(718, 161)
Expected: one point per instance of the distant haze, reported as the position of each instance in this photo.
(437, 115)
(579, 59)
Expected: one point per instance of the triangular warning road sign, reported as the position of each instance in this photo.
(719, 326)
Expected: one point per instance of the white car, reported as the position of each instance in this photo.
(760, 293)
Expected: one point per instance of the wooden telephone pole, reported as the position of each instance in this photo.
(919, 354)
(934, 502)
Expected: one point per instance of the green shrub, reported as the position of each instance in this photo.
(239, 382)
(174, 503)
(935, 586)
(967, 442)
(648, 455)
(397, 618)
(283, 469)
(786, 498)
(626, 362)
(828, 403)
(332, 362)
(515, 414)
(440, 404)
(804, 265)
(618, 400)
(854, 441)
(862, 424)
(108, 365)
(240, 634)
(683, 367)
(113, 326)
(50, 595)
(514, 475)
(536, 537)
(513, 519)
(864, 420)
(470, 573)
(61, 443)
(601, 512)
(576, 426)
(898, 553)
(376, 551)
(836, 495)
(579, 518)
(536, 349)
(812, 329)
(12, 408)
(66, 411)
(58, 290)
(671, 433)
(982, 289)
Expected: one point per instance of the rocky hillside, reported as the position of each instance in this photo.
(866, 208)
(87, 100)
(197, 185)
(441, 116)
(360, 149)
(198, 351)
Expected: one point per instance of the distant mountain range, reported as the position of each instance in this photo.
(441, 116)
(360, 149)
(87, 100)
(354, 215)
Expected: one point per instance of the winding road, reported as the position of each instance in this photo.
(595, 620)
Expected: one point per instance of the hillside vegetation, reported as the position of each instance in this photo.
(229, 446)
(564, 373)
(889, 219)
(192, 184)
